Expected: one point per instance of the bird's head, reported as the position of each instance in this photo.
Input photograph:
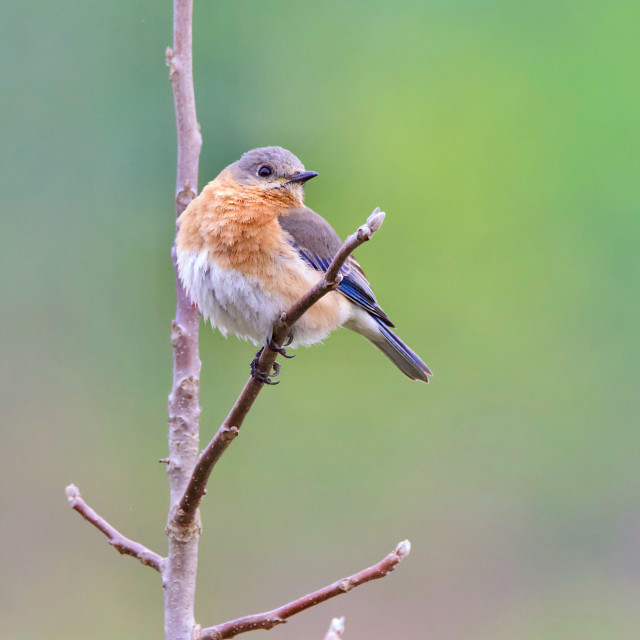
(274, 171)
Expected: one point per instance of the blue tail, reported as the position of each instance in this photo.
(397, 351)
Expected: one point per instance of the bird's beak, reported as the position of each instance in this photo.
(303, 176)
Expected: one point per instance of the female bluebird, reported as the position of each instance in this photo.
(248, 248)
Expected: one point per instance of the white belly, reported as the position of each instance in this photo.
(237, 303)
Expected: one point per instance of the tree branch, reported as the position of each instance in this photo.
(188, 473)
(119, 542)
(336, 629)
(278, 616)
(180, 569)
(186, 511)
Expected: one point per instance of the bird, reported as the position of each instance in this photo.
(247, 248)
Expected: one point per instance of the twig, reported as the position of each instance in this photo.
(278, 616)
(119, 542)
(180, 569)
(186, 511)
(332, 276)
(336, 629)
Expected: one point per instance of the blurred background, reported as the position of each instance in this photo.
(501, 138)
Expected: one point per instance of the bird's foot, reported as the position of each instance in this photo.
(281, 350)
(261, 376)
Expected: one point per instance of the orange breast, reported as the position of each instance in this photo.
(238, 227)
(236, 224)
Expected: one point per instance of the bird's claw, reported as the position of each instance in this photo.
(261, 376)
(281, 350)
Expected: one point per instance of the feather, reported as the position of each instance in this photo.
(317, 243)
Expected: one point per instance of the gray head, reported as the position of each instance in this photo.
(271, 168)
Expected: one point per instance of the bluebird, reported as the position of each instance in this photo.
(248, 248)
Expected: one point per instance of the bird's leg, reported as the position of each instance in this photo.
(261, 376)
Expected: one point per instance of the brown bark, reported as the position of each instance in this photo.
(270, 619)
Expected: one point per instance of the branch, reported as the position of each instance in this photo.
(186, 511)
(179, 574)
(116, 539)
(332, 276)
(336, 629)
(278, 616)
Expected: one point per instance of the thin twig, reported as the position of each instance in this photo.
(336, 629)
(332, 276)
(278, 616)
(186, 511)
(115, 538)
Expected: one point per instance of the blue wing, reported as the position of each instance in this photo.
(317, 243)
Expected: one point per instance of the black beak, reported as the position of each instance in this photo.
(303, 176)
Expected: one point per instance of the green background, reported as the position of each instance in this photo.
(501, 138)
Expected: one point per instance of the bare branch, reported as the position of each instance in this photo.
(116, 539)
(179, 574)
(186, 511)
(278, 616)
(336, 629)
(188, 473)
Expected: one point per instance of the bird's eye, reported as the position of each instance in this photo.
(264, 171)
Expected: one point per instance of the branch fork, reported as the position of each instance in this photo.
(195, 489)
(189, 472)
(183, 526)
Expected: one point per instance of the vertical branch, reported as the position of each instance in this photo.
(179, 574)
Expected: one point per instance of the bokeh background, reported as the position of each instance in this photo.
(502, 139)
